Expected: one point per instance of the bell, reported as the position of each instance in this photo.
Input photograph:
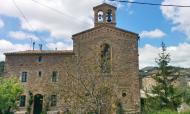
(109, 17)
(100, 16)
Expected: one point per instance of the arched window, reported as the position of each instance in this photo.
(100, 16)
(109, 16)
(105, 58)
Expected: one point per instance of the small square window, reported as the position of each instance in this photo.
(53, 100)
(40, 59)
(39, 73)
(24, 77)
(54, 76)
(22, 100)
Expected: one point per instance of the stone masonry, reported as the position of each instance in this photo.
(87, 45)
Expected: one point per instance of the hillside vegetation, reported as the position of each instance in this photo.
(148, 71)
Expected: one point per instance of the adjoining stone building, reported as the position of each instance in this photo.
(40, 71)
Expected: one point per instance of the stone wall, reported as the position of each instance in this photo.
(124, 59)
(16, 64)
(84, 60)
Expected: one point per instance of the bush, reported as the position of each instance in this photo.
(10, 90)
(168, 111)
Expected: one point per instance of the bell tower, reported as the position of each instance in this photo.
(104, 14)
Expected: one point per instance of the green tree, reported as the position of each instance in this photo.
(186, 93)
(164, 94)
(10, 90)
(165, 91)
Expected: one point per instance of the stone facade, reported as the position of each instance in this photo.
(123, 62)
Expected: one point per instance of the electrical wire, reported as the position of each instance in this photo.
(24, 17)
(27, 21)
(76, 20)
(152, 4)
(51, 8)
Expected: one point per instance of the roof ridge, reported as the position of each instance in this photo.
(103, 25)
(40, 52)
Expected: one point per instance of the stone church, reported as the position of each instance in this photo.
(111, 51)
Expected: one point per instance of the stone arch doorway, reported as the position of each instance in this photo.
(38, 104)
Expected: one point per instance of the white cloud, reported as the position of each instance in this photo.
(147, 55)
(7, 46)
(177, 15)
(157, 33)
(59, 46)
(20, 35)
(1, 23)
(179, 55)
(129, 4)
(71, 16)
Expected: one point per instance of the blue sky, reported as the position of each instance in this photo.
(143, 17)
(53, 27)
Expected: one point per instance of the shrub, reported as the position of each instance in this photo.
(168, 111)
